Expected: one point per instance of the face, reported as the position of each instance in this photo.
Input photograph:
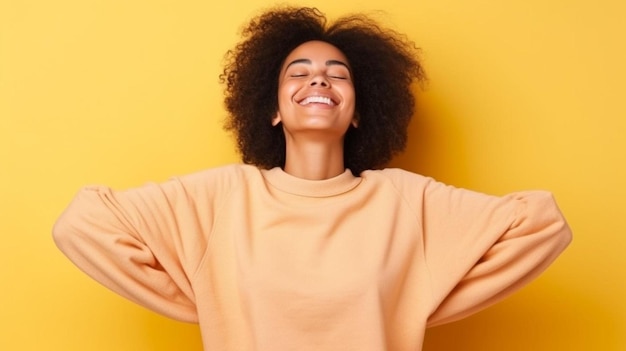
(315, 91)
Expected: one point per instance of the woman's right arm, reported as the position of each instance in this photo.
(144, 243)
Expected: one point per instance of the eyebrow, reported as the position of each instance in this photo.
(328, 63)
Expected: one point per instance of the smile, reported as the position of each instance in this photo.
(317, 100)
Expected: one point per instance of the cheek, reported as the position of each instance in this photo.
(349, 96)
(285, 92)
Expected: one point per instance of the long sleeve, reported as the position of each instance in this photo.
(479, 248)
(144, 243)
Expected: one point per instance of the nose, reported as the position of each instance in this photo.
(319, 80)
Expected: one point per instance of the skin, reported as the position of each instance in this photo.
(315, 107)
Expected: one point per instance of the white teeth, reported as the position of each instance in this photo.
(317, 99)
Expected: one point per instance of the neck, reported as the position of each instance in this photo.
(314, 160)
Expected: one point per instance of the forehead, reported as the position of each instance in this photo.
(316, 50)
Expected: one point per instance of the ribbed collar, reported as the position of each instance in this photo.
(311, 188)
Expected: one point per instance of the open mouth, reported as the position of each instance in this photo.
(317, 100)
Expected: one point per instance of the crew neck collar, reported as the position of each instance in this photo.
(285, 182)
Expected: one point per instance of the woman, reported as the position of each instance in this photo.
(309, 245)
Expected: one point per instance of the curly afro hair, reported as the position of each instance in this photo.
(384, 66)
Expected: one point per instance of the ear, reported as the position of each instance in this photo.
(277, 119)
(355, 120)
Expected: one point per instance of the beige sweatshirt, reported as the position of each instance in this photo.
(266, 261)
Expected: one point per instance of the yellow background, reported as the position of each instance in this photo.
(523, 94)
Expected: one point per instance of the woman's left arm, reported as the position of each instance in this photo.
(480, 248)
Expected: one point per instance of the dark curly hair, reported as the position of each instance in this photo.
(384, 66)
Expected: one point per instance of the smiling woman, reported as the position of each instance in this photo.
(309, 245)
(316, 107)
(382, 66)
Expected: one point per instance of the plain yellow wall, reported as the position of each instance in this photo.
(523, 94)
